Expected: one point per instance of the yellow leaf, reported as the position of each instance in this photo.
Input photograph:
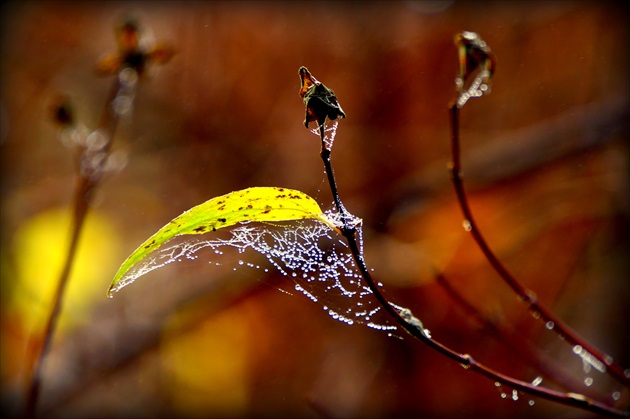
(252, 204)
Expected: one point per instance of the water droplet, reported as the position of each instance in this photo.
(122, 104)
(96, 140)
(588, 381)
(550, 325)
(531, 402)
(128, 76)
(536, 314)
(536, 381)
(627, 373)
(497, 384)
(503, 395)
(576, 396)
(577, 349)
(514, 395)
(240, 262)
(467, 226)
(616, 395)
(466, 365)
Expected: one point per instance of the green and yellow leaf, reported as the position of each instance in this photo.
(260, 204)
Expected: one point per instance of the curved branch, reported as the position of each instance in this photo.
(526, 295)
(414, 327)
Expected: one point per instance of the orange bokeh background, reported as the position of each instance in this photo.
(545, 159)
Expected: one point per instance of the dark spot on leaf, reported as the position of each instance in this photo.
(221, 208)
(221, 220)
(200, 229)
(250, 206)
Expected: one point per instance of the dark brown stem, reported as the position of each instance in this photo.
(528, 297)
(512, 341)
(80, 210)
(86, 183)
(325, 155)
(467, 361)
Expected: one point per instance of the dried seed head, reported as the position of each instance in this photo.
(320, 101)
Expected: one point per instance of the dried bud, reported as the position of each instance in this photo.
(474, 54)
(62, 111)
(320, 101)
(130, 53)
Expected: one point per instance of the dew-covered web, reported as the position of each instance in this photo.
(329, 132)
(315, 258)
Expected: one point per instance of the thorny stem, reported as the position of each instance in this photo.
(415, 329)
(526, 295)
(86, 183)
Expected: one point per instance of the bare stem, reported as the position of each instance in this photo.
(325, 155)
(467, 361)
(350, 233)
(526, 295)
(511, 340)
(87, 181)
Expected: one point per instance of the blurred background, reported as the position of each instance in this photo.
(545, 160)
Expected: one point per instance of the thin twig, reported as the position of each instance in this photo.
(127, 64)
(514, 342)
(526, 295)
(89, 175)
(325, 155)
(412, 326)
(476, 55)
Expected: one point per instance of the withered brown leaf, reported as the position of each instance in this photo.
(320, 101)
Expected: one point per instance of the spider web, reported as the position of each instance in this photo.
(315, 258)
(330, 131)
